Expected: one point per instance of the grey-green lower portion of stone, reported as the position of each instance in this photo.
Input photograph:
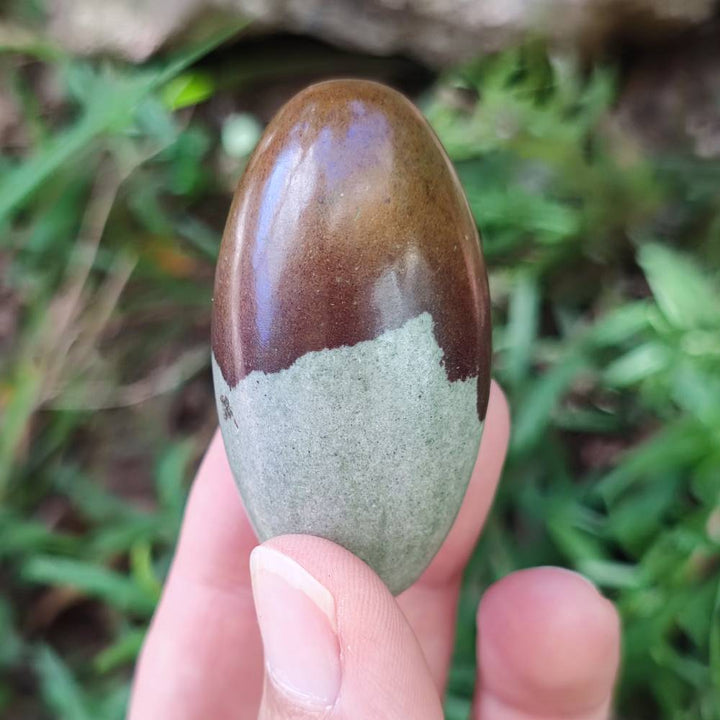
(370, 446)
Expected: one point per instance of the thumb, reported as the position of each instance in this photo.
(337, 645)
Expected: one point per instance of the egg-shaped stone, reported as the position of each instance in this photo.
(351, 329)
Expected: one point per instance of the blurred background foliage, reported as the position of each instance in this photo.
(114, 185)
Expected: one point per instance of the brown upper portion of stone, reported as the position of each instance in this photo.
(349, 221)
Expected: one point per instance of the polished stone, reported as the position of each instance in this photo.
(351, 331)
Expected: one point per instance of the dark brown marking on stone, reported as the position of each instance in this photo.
(227, 410)
(349, 221)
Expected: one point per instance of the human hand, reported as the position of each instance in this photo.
(338, 646)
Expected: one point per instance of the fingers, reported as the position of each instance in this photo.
(548, 647)
(430, 604)
(202, 656)
(336, 644)
(206, 612)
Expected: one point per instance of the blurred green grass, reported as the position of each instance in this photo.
(606, 299)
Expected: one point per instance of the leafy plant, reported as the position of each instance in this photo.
(606, 336)
(614, 467)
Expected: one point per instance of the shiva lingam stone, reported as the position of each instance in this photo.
(351, 329)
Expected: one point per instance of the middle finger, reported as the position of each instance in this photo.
(430, 605)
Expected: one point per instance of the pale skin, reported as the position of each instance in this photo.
(305, 630)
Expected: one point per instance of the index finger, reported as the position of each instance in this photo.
(202, 656)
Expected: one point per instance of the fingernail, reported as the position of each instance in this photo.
(298, 625)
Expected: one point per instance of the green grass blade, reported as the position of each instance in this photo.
(522, 327)
(94, 580)
(112, 109)
(534, 412)
(59, 689)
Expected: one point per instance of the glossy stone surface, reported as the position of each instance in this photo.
(351, 330)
